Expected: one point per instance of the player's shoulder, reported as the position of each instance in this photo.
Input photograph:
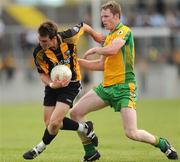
(122, 31)
(38, 49)
(125, 28)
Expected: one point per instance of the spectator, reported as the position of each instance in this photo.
(8, 66)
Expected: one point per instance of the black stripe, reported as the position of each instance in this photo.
(72, 67)
(59, 55)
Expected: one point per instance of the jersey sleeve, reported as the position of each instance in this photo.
(41, 66)
(72, 35)
(124, 34)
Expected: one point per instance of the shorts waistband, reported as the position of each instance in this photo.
(75, 81)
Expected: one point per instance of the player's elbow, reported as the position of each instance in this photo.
(100, 65)
(112, 52)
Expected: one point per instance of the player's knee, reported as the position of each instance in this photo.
(54, 126)
(46, 122)
(131, 134)
(75, 115)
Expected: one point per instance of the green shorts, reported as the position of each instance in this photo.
(119, 95)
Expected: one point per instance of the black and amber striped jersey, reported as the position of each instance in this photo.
(65, 54)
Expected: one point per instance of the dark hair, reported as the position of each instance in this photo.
(48, 28)
(114, 7)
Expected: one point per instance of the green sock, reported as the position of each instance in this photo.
(161, 144)
(89, 149)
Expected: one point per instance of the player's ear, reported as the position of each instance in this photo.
(117, 16)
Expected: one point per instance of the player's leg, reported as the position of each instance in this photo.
(59, 121)
(54, 124)
(68, 124)
(48, 110)
(129, 119)
(127, 104)
(67, 96)
(54, 119)
(88, 103)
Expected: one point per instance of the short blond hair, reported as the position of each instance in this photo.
(114, 7)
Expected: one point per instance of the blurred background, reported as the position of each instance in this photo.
(155, 25)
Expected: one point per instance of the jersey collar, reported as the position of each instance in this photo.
(117, 28)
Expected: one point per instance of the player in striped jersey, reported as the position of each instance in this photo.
(60, 48)
(118, 88)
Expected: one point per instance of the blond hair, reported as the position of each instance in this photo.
(114, 7)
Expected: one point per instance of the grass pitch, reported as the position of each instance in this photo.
(21, 127)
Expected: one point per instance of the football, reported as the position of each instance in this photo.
(61, 71)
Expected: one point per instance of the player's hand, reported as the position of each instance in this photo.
(65, 82)
(100, 38)
(103, 38)
(91, 51)
(60, 83)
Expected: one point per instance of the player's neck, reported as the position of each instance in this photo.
(115, 25)
(56, 45)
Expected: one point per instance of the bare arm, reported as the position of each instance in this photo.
(109, 50)
(98, 37)
(96, 65)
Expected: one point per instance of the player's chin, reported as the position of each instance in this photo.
(44, 47)
(106, 27)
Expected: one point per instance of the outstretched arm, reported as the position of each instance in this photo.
(96, 65)
(98, 37)
(109, 50)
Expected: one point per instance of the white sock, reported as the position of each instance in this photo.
(41, 146)
(81, 127)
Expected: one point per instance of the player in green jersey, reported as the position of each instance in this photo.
(118, 88)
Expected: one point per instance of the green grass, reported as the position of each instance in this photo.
(22, 127)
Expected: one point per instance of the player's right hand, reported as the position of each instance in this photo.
(60, 83)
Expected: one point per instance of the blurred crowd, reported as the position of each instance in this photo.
(158, 14)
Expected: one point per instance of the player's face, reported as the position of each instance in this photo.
(108, 19)
(45, 42)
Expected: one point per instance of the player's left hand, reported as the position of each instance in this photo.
(90, 52)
